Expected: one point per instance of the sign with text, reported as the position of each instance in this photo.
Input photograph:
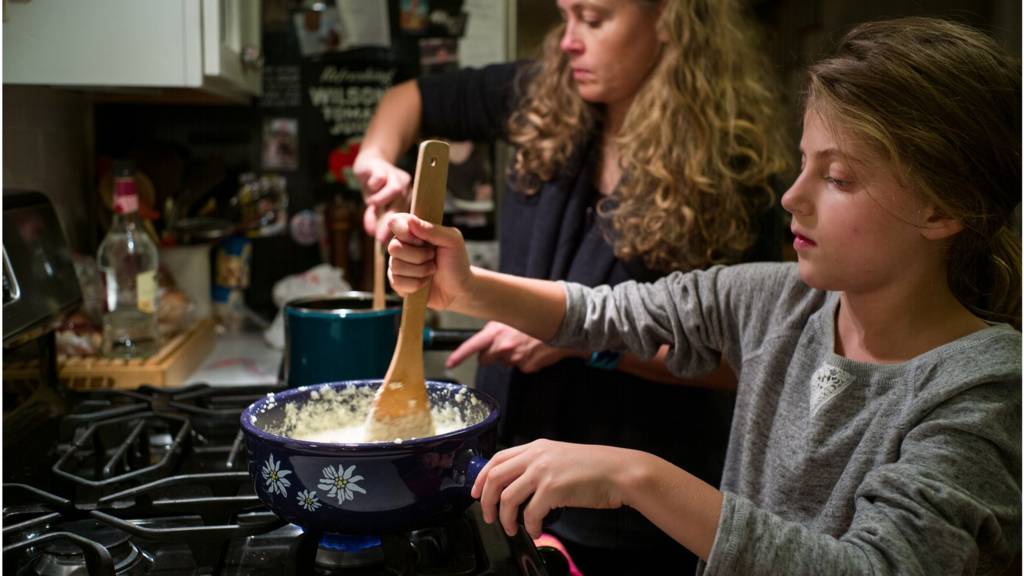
(341, 99)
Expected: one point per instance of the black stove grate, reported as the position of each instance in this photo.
(154, 481)
(160, 466)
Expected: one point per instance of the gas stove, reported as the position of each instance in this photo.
(154, 481)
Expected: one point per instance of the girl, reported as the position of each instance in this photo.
(877, 421)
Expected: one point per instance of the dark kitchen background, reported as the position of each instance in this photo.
(200, 148)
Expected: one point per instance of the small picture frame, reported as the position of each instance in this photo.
(280, 144)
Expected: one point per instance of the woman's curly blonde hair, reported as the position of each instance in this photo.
(698, 148)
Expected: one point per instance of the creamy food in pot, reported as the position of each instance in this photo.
(337, 415)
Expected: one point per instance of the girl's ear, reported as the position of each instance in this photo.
(938, 225)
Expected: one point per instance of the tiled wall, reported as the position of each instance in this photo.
(47, 146)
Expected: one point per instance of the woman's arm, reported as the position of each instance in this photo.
(395, 123)
(470, 104)
(392, 130)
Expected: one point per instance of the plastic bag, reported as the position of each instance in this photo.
(321, 280)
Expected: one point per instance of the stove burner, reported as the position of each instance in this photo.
(64, 557)
(337, 552)
(107, 454)
(153, 481)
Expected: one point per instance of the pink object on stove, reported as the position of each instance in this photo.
(552, 541)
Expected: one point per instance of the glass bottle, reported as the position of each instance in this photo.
(128, 258)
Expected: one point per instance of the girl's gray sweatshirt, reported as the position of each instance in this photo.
(834, 466)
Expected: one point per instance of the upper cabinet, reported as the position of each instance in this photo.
(208, 45)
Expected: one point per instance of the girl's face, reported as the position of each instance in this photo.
(856, 227)
(612, 46)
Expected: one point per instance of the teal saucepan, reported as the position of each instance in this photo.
(341, 337)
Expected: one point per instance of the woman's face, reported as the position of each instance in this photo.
(857, 228)
(612, 46)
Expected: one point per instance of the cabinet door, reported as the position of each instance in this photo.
(232, 44)
(103, 43)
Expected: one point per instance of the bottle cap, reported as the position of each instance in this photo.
(126, 200)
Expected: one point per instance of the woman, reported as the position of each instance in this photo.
(644, 142)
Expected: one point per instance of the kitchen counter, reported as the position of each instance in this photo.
(239, 359)
(244, 358)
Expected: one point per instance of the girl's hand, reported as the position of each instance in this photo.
(497, 342)
(556, 475)
(422, 252)
(385, 189)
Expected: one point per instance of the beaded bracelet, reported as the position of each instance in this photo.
(605, 360)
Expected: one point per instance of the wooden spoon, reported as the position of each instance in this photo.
(378, 275)
(401, 408)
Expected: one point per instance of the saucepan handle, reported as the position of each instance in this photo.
(473, 467)
(445, 339)
(474, 463)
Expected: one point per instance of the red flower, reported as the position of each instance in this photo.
(339, 159)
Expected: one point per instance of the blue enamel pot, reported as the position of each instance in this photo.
(341, 337)
(367, 488)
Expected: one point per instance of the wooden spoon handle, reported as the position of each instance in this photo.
(431, 181)
(427, 203)
(379, 267)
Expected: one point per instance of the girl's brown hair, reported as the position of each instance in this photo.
(699, 146)
(942, 102)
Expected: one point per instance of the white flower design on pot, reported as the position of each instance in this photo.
(275, 477)
(340, 483)
(308, 500)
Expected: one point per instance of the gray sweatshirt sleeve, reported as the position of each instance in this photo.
(640, 318)
(949, 505)
(701, 315)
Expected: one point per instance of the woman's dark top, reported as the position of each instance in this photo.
(555, 234)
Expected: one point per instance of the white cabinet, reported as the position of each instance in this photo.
(210, 45)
